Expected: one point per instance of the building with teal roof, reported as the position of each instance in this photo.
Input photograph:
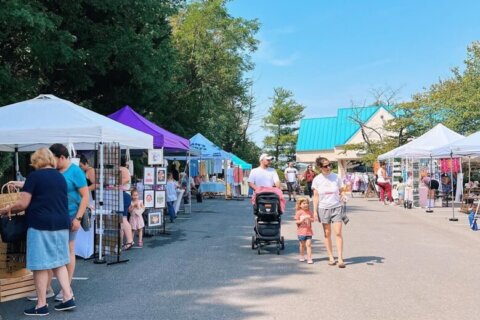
(327, 136)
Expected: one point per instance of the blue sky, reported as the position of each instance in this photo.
(329, 53)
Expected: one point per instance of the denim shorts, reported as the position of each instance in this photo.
(304, 238)
(47, 249)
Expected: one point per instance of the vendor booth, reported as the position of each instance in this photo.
(47, 119)
(237, 177)
(416, 158)
(208, 163)
(467, 147)
(162, 139)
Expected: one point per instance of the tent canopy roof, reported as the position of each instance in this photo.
(469, 146)
(207, 149)
(423, 146)
(161, 138)
(47, 119)
(239, 162)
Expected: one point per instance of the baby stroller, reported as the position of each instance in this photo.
(267, 222)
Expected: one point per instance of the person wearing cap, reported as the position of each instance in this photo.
(291, 177)
(263, 175)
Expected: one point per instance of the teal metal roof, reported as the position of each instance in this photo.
(346, 126)
(317, 134)
(328, 132)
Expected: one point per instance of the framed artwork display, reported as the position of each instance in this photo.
(155, 219)
(148, 175)
(155, 156)
(161, 176)
(160, 199)
(149, 198)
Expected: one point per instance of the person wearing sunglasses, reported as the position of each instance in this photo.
(328, 206)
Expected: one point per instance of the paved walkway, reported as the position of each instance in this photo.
(401, 264)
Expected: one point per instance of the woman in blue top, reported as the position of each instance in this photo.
(78, 197)
(44, 197)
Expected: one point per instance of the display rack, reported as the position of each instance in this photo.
(108, 204)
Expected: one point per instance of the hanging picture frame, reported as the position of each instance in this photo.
(161, 176)
(149, 176)
(155, 219)
(155, 156)
(160, 199)
(149, 198)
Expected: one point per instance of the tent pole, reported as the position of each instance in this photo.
(453, 195)
(429, 208)
(17, 167)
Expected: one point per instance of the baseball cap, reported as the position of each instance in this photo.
(266, 156)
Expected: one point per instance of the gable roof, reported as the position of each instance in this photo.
(327, 132)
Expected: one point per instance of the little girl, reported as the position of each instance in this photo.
(304, 219)
(136, 210)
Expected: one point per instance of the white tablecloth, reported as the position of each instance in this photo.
(84, 242)
(179, 200)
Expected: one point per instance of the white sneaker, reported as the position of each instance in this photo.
(59, 296)
(34, 296)
(301, 259)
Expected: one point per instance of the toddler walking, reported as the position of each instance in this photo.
(136, 210)
(304, 219)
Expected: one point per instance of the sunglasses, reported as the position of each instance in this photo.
(327, 166)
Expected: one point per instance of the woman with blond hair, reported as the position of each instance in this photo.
(44, 197)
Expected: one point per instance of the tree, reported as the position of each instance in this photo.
(282, 122)
(212, 93)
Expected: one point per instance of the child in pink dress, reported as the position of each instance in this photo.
(304, 219)
(136, 210)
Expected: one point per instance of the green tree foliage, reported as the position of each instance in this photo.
(282, 123)
(181, 65)
(213, 56)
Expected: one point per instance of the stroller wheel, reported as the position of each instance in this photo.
(278, 249)
(253, 243)
(282, 241)
(258, 249)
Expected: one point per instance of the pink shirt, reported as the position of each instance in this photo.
(304, 228)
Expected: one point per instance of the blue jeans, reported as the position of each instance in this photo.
(171, 210)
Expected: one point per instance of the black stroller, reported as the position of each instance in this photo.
(267, 222)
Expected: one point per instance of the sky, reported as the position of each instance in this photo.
(332, 52)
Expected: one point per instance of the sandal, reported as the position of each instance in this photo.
(341, 265)
(332, 262)
(127, 246)
(140, 244)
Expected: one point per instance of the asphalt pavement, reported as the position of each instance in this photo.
(401, 264)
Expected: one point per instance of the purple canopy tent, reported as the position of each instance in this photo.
(161, 137)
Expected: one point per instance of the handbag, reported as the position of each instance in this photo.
(86, 219)
(9, 197)
(13, 227)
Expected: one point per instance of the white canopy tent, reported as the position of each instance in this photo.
(47, 119)
(469, 146)
(423, 146)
